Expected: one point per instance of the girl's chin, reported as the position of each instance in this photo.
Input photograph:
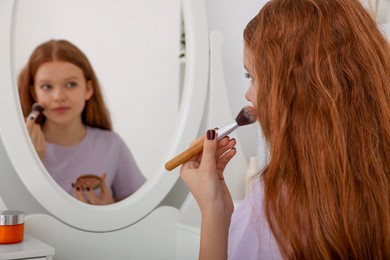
(58, 121)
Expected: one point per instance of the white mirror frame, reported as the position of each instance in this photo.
(34, 175)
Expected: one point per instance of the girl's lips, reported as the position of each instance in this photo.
(60, 109)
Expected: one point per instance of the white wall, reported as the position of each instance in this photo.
(230, 17)
(379, 8)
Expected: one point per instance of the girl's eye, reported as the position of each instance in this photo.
(45, 87)
(247, 75)
(71, 84)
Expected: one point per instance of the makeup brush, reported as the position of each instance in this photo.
(36, 111)
(247, 115)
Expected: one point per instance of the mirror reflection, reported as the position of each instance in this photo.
(74, 137)
(134, 49)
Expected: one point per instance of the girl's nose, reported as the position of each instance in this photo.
(58, 94)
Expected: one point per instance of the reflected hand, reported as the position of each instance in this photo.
(86, 194)
(37, 137)
(203, 175)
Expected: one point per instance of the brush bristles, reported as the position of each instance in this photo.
(37, 107)
(247, 115)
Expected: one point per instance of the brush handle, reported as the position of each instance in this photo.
(185, 156)
(198, 147)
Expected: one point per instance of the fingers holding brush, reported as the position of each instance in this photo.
(37, 137)
(203, 175)
(223, 146)
(224, 154)
(34, 129)
(217, 158)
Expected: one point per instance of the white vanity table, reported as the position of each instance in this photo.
(29, 248)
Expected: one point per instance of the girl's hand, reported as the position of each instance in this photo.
(37, 137)
(87, 195)
(203, 174)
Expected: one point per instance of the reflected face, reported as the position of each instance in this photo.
(251, 93)
(62, 90)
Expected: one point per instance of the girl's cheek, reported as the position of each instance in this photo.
(247, 94)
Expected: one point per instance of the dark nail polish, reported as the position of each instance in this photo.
(72, 185)
(88, 189)
(210, 134)
(77, 188)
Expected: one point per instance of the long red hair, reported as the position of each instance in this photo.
(322, 73)
(95, 113)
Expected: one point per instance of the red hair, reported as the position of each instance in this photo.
(322, 73)
(95, 113)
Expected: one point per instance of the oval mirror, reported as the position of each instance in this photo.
(156, 103)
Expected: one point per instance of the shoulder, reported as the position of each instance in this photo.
(97, 133)
(253, 202)
(104, 136)
(249, 226)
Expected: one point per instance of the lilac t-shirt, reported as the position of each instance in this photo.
(249, 233)
(101, 151)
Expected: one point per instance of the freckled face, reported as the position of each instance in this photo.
(63, 90)
(251, 93)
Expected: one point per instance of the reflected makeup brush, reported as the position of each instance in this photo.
(36, 113)
(247, 115)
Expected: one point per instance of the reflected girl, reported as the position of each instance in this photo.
(75, 136)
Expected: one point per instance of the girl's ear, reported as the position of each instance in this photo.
(89, 92)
